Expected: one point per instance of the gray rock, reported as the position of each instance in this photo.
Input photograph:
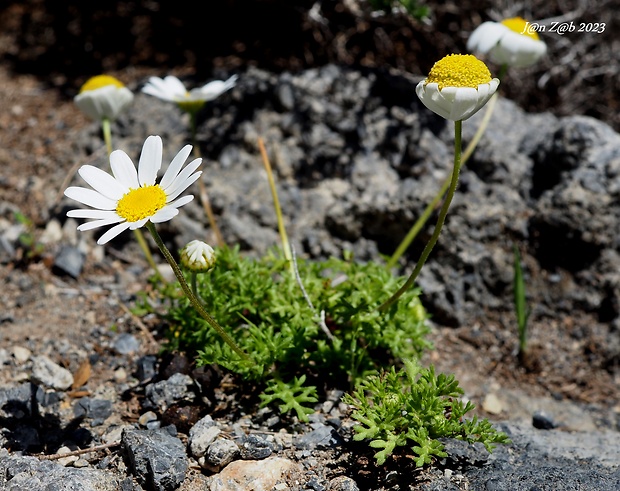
(219, 454)
(126, 344)
(255, 447)
(69, 260)
(156, 458)
(160, 395)
(19, 473)
(97, 410)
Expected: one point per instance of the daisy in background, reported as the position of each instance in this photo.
(508, 42)
(171, 89)
(103, 98)
(130, 198)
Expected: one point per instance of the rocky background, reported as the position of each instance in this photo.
(330, 88)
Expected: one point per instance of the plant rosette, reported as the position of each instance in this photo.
(508, 42)
(103, 97)
(457, 87)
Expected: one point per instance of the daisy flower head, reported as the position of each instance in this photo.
(129, 198)
(102, 97)
(171, 89)
(457, 87)
(198, 256)
(509, 42)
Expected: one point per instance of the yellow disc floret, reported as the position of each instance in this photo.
(459, 71)
(140, 203)
(519, 25)
(99, 81)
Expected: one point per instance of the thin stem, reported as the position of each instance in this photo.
(440, 220)
(204, 197)
(107, 136)
(276, 203)
(421, 221)
(192, 298)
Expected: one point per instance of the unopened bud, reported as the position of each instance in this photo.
(198, 257)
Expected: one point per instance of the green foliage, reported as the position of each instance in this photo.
(332, 338)
(415, 407)
(521, 310)
(412, 7)
(27, 242)
(293, 395)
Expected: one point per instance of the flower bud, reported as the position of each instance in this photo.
(198, 256)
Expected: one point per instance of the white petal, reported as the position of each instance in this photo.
(150, 160)
(486, 36)
(165, 214)
(175, 166)
(99, 223)
(113, 232)
(104, 102)
(123, 169)
(99, 214)
(158, 88)
(214, 89)
(181, 201)
(183, 175)
(90, 198)
(102, 182)
(138, 224)
(183, 186)
(431, 97)
(174, 86)
(464, 102)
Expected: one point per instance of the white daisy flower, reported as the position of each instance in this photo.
(508, 42)
(171, 89)
(198, 256)
(102, 97)
(128, 198)
(457, 87)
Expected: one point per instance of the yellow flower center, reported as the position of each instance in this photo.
(519, 25)
(141, 203)
(459, 71)
(99, 81)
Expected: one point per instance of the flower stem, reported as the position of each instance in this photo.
(190, 295)
(204, 197)
(440, 220)
(107, 136)
(421, 221)
(276, 203)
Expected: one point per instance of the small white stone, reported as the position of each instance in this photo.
(50, 374)
(21, 354)
(492, 404)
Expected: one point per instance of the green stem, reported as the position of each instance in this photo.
(276, 203)
(440, 220)
(190, 295)
(204, 197)
(421, 221)
(107, 134)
